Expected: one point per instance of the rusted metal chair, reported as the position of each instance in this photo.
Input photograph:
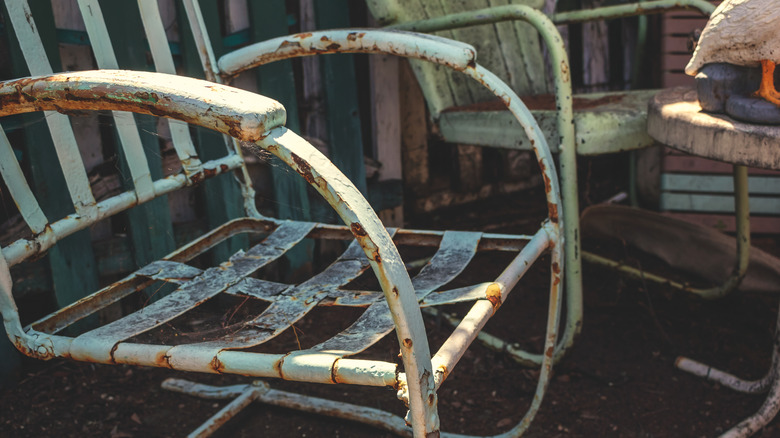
(258, 122)
(511, 37)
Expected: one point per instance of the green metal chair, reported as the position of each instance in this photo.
(509, 39)
(252, 122)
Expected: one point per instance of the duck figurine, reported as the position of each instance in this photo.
(743, 33)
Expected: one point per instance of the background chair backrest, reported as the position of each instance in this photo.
(511, 50)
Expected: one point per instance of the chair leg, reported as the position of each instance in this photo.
(771, 405)
(262, 392)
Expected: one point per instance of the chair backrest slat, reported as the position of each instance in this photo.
(59, 125)
(18, 187)
(511, 50)
(202, 41)
(129, 137)
(163, 63)
(140, 160)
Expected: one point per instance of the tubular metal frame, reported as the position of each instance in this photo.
(251, 118)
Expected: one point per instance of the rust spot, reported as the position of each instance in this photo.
(224, 167)
(565, 72)
(377, 258)
(431, 399)
(334, 46)
(352, 36)
(493, 294)
(395, 291)
(442, 369)
(111, 353)
(234, 127)
(285, 44)
(163, 360)
(324, 38)
(304, 169)
(358, 230)
(553, 211)
(196, 177)
(408, 343)
(556, 268)
(547, 182)
(301, 36)
(549, 352)
(216, 365)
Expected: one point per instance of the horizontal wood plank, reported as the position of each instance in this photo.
(716, 203)
(680, 182)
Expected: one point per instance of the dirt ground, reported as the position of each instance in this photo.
(618, 381)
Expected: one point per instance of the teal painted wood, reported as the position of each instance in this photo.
(149, 224)
(72, 262)
(707, 203)
(221, 196)
(723, 184)
(277, 81)
(345, 136)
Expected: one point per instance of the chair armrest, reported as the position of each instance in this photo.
(427, 47)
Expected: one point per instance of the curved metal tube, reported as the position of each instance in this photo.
(435, 49)
(247, 117)
(631, 10)
(563, 99)
(568, 161)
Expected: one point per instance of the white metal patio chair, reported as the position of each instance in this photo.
(258, 123)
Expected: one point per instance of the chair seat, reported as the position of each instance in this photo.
(128, 339)
(604, 123)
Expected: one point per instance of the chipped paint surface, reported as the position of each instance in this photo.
(456, 55)
(250, 118)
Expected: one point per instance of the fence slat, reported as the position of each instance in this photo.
(345, 136)
(18, 187)
(126, 128)
(221, 195)
(72, 262)
(59, 125)
(277, 80)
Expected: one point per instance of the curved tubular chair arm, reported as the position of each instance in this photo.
(563, 99)
(453, 54)
(240, 114)
(420, 47)
(248, 117)
(565, 124)
(426, 47)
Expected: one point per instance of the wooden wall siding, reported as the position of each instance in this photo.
(345, 136)
(72, 263)
(220, 196)
(148, 225)
(277, 80)
(676, 30)
(386, 129)
(699, 190)
(595, 52)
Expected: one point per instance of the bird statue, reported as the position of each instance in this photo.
(745, 33)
